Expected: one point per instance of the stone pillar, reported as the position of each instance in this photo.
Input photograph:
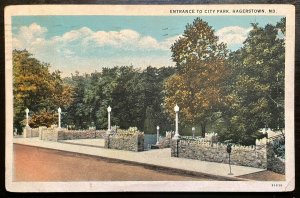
(27, 132)
(261, 150)
(41, 128)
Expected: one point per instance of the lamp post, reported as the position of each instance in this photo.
(157, 128)
(59, 118)
(27, 119)
(108, 111)
(193, 131)
(176, 109)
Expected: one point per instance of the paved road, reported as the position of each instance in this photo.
(39, 164)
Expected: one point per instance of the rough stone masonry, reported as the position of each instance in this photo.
(129, 142)
(259, 156)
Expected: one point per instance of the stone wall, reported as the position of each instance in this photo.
(82, 134)
(55, 134)
(41, 128)
(255, 156)
(30, 132)
(26, 132)
(35, 132)
(260, 155)
(165, 142)
(125, 141)
(50, 134)
(275, 163)
(100, 134)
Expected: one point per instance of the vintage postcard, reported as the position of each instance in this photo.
(149, 98)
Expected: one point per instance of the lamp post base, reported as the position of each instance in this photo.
(176, 137)
(108, 132)
(230, 173)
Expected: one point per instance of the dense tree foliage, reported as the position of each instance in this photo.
(135, 96)
(36, 88)
(197, 86)
(237, 93)
(256, 84)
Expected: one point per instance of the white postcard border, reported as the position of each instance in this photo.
(282, 10)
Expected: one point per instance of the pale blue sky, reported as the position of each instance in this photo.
(86, 43)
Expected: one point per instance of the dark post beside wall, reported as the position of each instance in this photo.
(228, 149)
(174, 147)
(106, 142)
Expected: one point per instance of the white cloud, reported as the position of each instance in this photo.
(33, 37)
(32, 31)
(80, 48)
(148, 41)
(233, 35)
(124, 39)
(29, 36)
(119, 39)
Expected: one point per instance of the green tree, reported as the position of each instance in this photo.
(201, 72)
(154, 79)
(127, 90)
(77, 113)
(149, 123)
(256, 85)
(36, 88)
(128, 98)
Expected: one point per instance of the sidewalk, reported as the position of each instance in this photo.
(160, 158)
(86, 142)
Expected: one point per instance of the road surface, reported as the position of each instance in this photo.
(39, 164)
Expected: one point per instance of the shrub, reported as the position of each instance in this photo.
(279, 147)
